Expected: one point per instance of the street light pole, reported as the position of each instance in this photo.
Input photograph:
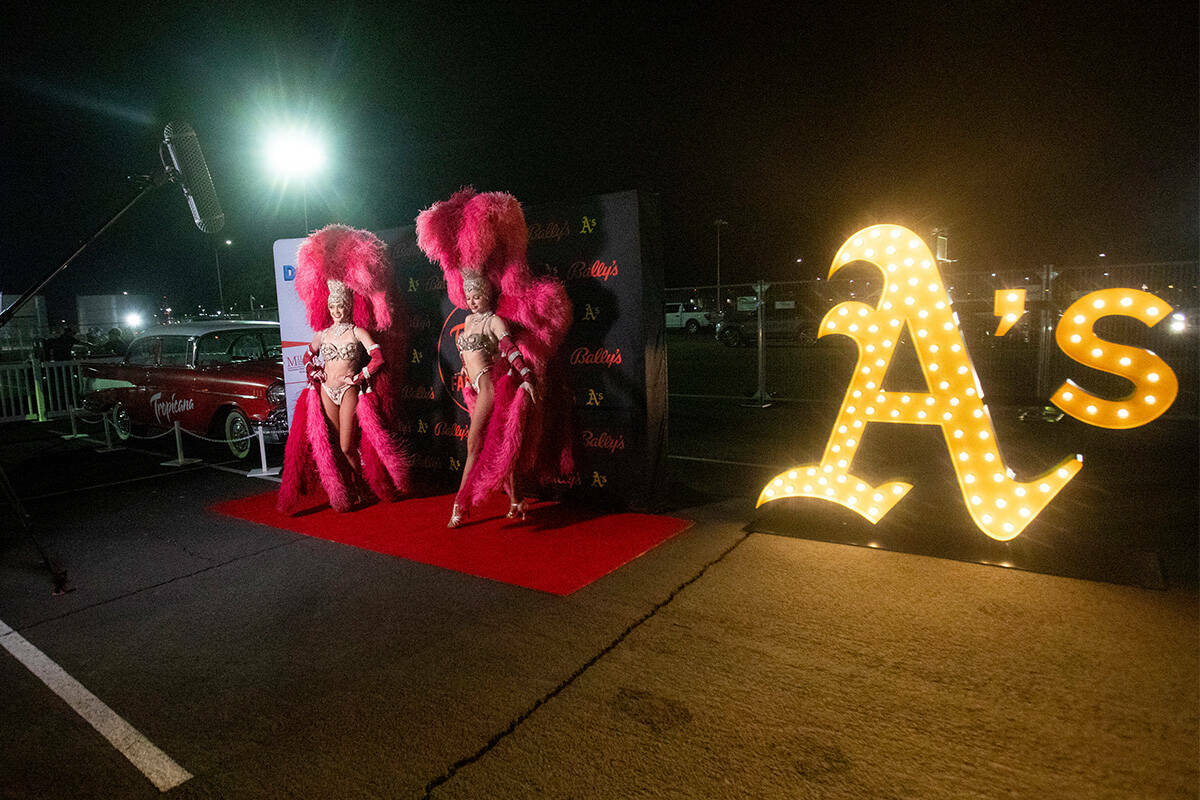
(220, 289)
(304, 192)
(217, 258)
(719, 223)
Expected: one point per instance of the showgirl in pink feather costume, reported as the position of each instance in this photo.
(340, 434)
(513, 389)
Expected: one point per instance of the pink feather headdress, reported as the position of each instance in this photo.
(358, 259)
(477, 233)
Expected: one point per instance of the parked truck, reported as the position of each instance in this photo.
(680, 318)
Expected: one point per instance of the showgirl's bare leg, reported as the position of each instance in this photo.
(479, 419)
(348, 427)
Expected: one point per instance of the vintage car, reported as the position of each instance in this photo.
(216, 379)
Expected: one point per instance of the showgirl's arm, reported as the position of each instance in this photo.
(364, 336)
(511, 353)
(314, 373)
(376, 363)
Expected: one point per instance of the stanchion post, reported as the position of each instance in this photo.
(179, 461)
(74, 434)
(108, 445)
(262, 453)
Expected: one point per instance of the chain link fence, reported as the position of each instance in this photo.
(758, 341)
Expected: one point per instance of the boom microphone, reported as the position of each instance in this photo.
(189, 167)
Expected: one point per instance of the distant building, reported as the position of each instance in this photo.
(27, 327)
(100, 312)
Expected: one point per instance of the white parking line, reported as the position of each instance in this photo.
(156, 765)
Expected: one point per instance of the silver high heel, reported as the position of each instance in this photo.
(457, 515)
(515, 509)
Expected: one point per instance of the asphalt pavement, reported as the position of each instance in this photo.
(248, 662)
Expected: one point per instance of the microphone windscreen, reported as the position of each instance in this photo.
(184, 149)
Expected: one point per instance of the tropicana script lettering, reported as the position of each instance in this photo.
(601, 355)
(163, 409)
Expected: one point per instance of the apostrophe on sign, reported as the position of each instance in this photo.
(1009, 307)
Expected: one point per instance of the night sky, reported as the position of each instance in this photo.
(1034, 132)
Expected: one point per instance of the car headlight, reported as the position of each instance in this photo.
(276, 394)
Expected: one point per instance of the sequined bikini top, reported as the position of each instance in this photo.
(477, 341)
(346, 352)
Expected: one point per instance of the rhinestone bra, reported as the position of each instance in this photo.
(477, 341)
(345, 352)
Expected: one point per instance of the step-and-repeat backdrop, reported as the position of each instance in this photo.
(607, 252)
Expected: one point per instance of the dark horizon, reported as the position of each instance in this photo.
(1034, 135)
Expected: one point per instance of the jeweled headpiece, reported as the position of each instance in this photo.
(339, 294)
(474, 282)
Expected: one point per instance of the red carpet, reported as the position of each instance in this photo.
(558, 549)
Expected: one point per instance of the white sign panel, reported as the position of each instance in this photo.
(293, 320)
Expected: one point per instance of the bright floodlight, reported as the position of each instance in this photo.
(133, 320)
(295, 153)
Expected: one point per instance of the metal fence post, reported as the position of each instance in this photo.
(38, 395)
(1046, 338)
(760, 396)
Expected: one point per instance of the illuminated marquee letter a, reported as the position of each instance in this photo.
(914, 297)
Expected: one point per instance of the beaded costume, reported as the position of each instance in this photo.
(483, 341)
(351, 351)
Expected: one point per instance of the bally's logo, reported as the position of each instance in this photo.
(452, 380)
(597, 269)
(417, 392)
(601, 356)
(450, 430)
(553, 231)
(603, 440)
(431, 283)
